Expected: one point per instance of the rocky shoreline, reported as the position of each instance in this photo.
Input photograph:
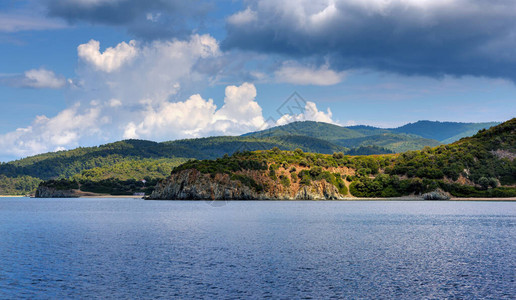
(193, 185)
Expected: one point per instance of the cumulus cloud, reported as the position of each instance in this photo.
(48, 134)
(151, 95)
(310, 113)
(111, 59)
(42, 78)
(110, 93)
(36, 78)
(294, 73)
(199, 117)
(242, 17)
(137, 73)
(432, 38)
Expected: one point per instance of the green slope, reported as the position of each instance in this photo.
(65, 164)
(319, 130)
(353, 136)
(394, 142)
(480, 166)
(22, 175)
(445, 132)
(413, 136)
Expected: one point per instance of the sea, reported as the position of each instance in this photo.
(137, 249)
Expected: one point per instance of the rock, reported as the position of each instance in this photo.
(48, 192)
(193, 185)
(438, 194)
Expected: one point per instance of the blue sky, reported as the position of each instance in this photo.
(86, 72)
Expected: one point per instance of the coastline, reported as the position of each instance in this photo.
(406, 198)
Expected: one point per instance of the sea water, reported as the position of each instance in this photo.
(130, 248)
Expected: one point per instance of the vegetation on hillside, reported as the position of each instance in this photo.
(121, 160)
(445, 132)
(394, 142)
(20, 185)
(350, 137)
(123, 178)
(481, 166)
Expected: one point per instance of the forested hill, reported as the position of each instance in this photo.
(480, 166)
(69, 163)
(22, 176)
(445, 132)
(413, 136)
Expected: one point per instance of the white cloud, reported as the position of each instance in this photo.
(115, 103)
(36, 78)
(47, 134)
(240, 112)
(111, 59)
(157, 71)
(109, 101)
(178, 118)
(291, 72)
(243, 17)
(42, 78)
(155, 96)
(198, 117)
(311, 113)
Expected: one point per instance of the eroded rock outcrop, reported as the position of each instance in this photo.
(49, 192)
(193, 185)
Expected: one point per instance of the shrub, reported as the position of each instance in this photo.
(285, 181)
(338, 155)
(315, 171)
(293, 175)
(272, 174)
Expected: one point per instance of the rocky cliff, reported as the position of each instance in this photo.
(193, 185)
(50, 192)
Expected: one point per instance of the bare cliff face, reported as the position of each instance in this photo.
(193, 185)
(48, 192)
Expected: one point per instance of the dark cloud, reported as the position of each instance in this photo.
(432, 38)
(147, 19)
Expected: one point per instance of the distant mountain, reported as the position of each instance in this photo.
(314, 129)
(396, 142)
(412, 136)
(368, 130)
(445, 132)
(353, 136)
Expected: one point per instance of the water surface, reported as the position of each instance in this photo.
(129, 248)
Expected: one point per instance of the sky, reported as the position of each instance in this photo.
(88, 72)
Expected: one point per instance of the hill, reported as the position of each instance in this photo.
(67, 164)
(399, 142)
(22, 176)
(314, 129)
(413, 136)
(445, 132)
(480, 166)
(350, 137)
